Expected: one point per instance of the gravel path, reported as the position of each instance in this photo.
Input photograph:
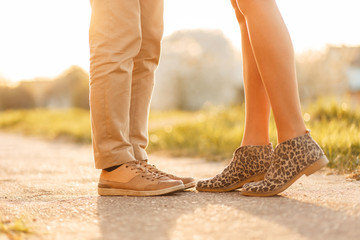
(52, 185)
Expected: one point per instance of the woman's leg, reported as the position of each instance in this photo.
(274, 55)
(257, 105)
(297, 154)
(252, 159)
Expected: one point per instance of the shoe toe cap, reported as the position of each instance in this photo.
(202, 183)
(255, 187)
(172, 183)
(187, 180)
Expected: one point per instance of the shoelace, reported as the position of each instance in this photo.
(142, 170)
(153, 168)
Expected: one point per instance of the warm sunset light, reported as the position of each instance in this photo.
(237, 120)
(42, 38)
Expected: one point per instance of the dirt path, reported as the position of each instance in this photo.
(53, 186)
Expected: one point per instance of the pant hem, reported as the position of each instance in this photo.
(110, 159)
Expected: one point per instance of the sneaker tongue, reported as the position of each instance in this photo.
(142, 168)
(139, 166)
(132, 163)
(148, 165)
(152, 168)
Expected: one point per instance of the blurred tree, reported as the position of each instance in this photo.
(3, 81)
(324, 73)
(197, 68)
(38, 88)
(15, 98)
(71, 89)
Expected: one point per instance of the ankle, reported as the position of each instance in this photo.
(284, 136)
(255, 140)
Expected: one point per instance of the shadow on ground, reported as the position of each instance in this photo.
(191, 215)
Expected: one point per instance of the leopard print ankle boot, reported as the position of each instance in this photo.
(291, 159)
(249, 164)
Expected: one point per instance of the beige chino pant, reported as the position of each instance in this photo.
(124, 39)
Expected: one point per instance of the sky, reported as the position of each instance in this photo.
(42, 38)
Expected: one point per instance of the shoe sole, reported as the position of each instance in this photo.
(314, 167)
(189, 185)
(234, 186)
(126, 192)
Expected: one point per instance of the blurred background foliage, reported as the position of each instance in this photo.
(197, 107)
(212, 133)
(197, 68)
(70, 89)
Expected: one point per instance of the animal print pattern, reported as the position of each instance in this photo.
(247, 161)
(289, 159)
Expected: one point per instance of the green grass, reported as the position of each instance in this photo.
(216, 133)
(52, 124)
(337, 130)
(212, 133)
(14, 230)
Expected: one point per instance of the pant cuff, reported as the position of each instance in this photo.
(140, 153)
(113, 158)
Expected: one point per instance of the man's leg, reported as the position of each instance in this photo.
(145, 64)
(115, 39)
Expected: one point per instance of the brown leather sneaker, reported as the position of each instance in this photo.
(249, 164)
(291, 159)
(187, 181)
(131, 179)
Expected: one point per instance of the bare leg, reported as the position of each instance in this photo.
(252, 159)
(257, 105)
(274, 55)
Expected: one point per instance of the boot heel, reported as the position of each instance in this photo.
(322, 162)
